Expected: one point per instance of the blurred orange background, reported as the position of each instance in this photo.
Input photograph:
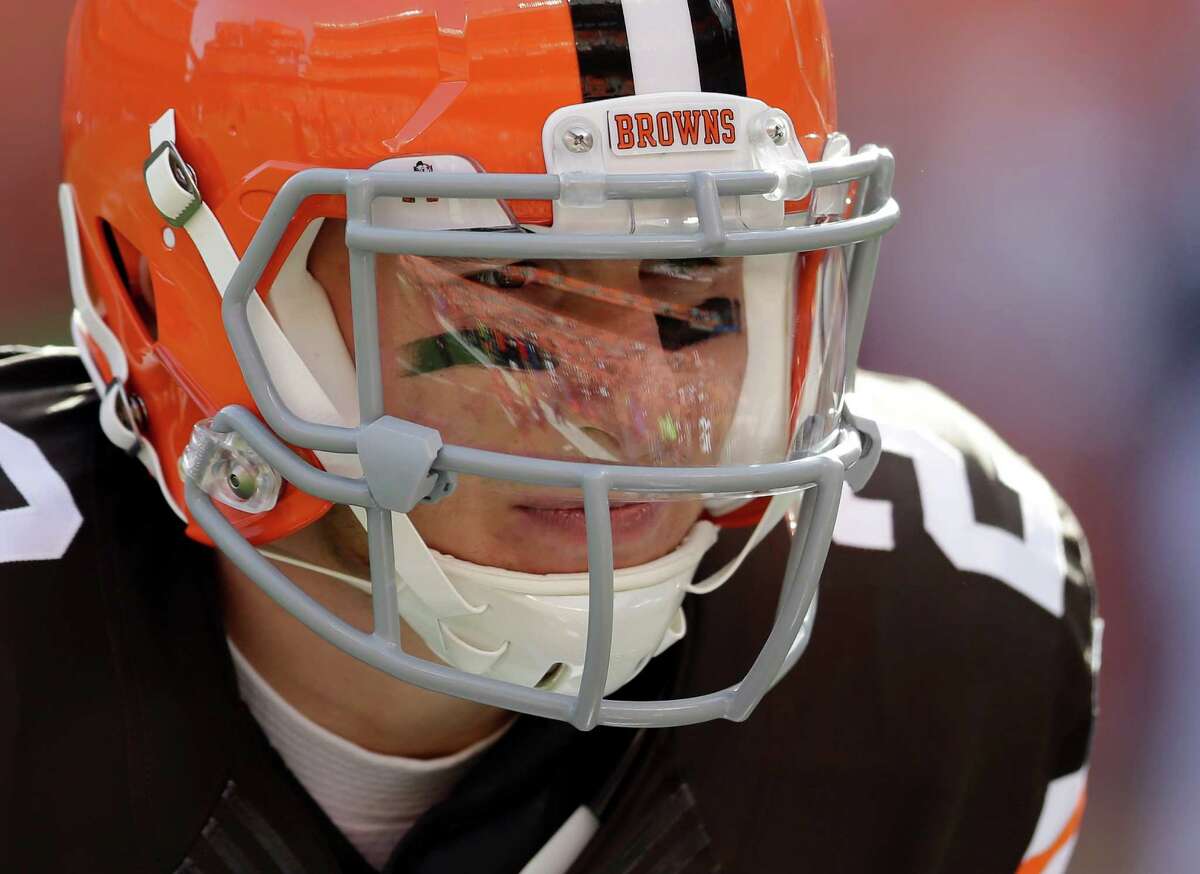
(1047, 274)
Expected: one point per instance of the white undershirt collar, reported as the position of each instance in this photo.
(372, 798)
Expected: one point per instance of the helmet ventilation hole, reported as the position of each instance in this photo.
(551, 677)
(133, 269)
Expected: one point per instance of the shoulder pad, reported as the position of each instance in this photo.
(38, 384)
(987, 509)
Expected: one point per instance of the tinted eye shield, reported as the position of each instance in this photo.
(405, 464)
(476, 340)
(873, 214)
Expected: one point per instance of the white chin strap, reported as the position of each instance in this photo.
(531, 629)
(525, 628)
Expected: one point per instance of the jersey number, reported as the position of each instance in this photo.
(1034, 565)
(44, 527)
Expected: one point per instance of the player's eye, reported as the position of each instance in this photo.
(689, 269)
(506, 277)
(722, 316)
(476, 347)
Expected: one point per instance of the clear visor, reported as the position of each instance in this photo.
(663, 363)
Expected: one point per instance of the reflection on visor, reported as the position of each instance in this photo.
(660, 362)
(483, 346)
(637, 362)
(517, 276)
(479, 346)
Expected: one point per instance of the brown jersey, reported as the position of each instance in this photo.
(939, 721)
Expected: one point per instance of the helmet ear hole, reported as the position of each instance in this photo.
(133, 269)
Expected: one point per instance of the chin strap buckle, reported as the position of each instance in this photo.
(119, 419)
(170, 180)
(172, 183)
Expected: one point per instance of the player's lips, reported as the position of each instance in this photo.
(567, 518)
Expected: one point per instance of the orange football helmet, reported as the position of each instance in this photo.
(195, 139)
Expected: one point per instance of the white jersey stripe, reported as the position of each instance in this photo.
(662, 46)
(566, 845)
(44, 528)
(1058, 864)
(1062, 800)
(864, 523)
(1034, 565)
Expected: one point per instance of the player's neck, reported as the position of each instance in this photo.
(334, 690)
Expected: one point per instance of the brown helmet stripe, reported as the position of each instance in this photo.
(602, 46)
(667, 56)
(718, 46)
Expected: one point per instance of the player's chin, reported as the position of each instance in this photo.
(550, 539)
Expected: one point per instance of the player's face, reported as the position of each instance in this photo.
(632, 362)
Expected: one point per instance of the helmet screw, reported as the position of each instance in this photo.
(132, 413)
(777, 131)
(578, 140)
(243, 483)
(137, 411)
(183, 173)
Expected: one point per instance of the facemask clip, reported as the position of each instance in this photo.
(229, 470)
(397, 458)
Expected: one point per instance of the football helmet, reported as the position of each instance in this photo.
(610, 252)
